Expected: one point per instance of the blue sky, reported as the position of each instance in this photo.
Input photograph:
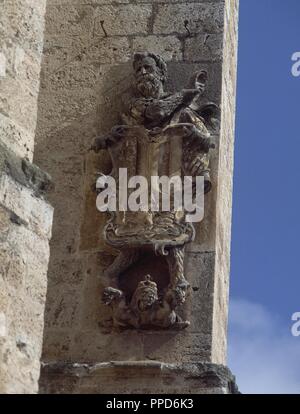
(265, 263)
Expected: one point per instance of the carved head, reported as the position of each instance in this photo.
(181, 292)
(145, 296)
(150, 74)
(111, 295)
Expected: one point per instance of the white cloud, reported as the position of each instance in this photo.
(263, 354)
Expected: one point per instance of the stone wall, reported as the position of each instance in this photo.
(21, 45)
(25, 216)
(86, 70)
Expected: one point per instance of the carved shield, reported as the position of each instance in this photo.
(148, 154)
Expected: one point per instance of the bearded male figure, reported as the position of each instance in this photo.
(154, 108)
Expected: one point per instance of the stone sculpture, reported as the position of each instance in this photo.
(161, 134)
(145, 308)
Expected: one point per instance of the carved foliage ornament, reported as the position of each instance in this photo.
(161, 134)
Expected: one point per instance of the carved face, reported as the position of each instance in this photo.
(181, 294)
(146, 299)
(148, 78)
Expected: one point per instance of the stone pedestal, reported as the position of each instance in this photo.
(148, 377)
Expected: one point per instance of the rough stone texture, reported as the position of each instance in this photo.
(224, 193)
(134, 378)
(85, 72)
(21, 43)
(169, 46)
(202, 17)
(203, 47)
(25, 216)
(24, 255)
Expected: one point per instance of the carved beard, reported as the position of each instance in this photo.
(149, 86)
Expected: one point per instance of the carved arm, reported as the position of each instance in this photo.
(161, 109)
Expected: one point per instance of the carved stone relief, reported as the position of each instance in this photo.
(161, 134)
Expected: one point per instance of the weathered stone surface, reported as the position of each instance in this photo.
(22, 22)
(127, 346)
(137, 378)
(109, 50)
(92, 225)
(86, 69)
(18, 103)
(72, 19)
(201, 18)
(16, 138)
(77, 19)
(3, 61)
(73, 76)
(181, 72)
(204, 47)
(23, 172)
(67, 198)
(186, 347)
(169, 47)
(122, 20)
(224, 195)
(21, 42)
(21, 63)
(94, 2)
(31, 211)
(200, 271)
(25, 216)
(24, 258)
